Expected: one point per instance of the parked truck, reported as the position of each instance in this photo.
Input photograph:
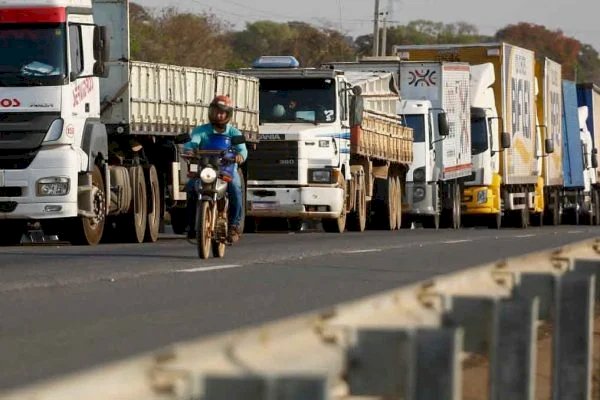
(435, 104)
(88, 138)
(331, 148)
(514, 191)
(548, 122)
(588, 96)
(579, 173)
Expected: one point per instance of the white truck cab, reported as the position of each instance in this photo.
(50, 137)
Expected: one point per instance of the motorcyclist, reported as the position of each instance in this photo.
(219, 115)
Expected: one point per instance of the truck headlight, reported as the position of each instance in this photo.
(419, 175)
(319, 175)
(482, 196)
(208, 175)
(55, 131)
(53, 186)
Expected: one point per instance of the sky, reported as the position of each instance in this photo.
(576, 18)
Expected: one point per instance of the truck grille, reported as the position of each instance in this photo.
(21, 135)
(274, 160)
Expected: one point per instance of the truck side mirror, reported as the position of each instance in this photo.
(444, 129)
(549, 146)
(505, 139)
(594, 158)
(101, 51)
(356, 106)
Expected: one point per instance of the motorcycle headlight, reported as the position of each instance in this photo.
(208, 175)
(55, 131)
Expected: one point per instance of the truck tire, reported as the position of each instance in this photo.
(495, 221)
(382, 206)
(523, 216)
(456, 212)
(431, 221)
(357, 219)
(153, 206)
(133, 224)
(553, 217)
(596, 207)
(88, 231)
(337, 225)
(398, 203)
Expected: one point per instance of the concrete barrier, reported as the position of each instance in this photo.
(407, 343)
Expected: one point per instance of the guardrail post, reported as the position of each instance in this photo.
(266, 388)
(573, 330)
(476, 316)
(513, 350)
(439, 369)
(382, 364)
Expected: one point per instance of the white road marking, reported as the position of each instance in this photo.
(526, 236)
(457, 241)
(572, 232)
(361, 251)
(213, 268)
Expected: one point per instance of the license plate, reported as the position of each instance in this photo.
(2, 178)
(264, 205)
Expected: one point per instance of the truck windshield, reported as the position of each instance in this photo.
(417, 123)
(32, 54)
(297, 100)
(479, 136)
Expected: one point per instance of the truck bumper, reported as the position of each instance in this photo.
(23, 202)
(420, 198)
(297, 202)
(479, 200)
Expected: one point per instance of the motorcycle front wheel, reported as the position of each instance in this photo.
(204, 229)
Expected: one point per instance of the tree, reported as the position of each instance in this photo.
(545, 43)
(424, 32)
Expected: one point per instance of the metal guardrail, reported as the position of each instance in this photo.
(407, 343)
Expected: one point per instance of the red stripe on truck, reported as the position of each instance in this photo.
(33, 15)
(458, 167)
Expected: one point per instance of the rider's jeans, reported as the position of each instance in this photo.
(234, 192)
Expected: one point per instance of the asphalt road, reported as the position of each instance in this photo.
(63, 308)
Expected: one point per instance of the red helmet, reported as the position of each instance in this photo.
(220, 103)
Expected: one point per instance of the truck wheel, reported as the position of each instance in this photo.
(153, 218)
(337, 225)
(398, 203)
(134, 223)
(295, 224)
(358, 218)
(88, 231)
(553, 217)
(431, 221)
(456, 207)
(178, 220)
(250, 225)
(524, 218)
(596, 207)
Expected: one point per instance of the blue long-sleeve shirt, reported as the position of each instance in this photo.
(200, 135)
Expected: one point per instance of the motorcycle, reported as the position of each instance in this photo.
(214, 169)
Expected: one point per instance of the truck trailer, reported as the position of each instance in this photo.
(435, 104)
(514, 191)
(548, 122)
(88, 138)
(588, 96)
(331, 147)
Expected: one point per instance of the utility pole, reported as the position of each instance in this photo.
(384, 34)
(376, 30)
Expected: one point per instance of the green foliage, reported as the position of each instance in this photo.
(545, 43)
(204, 40)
